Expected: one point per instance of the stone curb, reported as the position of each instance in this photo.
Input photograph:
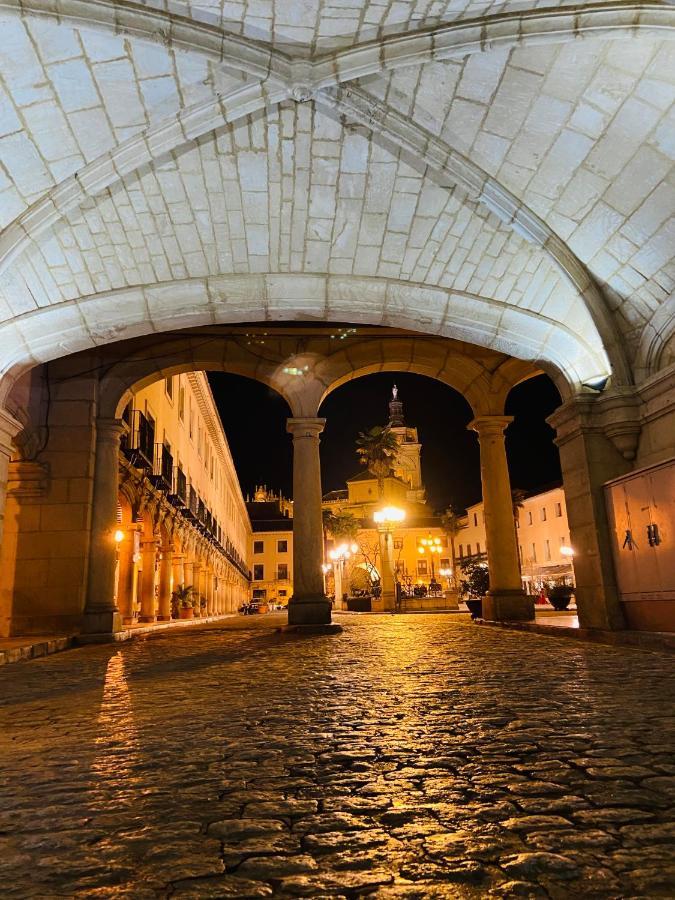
(56, 645)
(36, 650)
(638, 640)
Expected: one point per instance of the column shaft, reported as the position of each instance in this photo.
(308, 605)
(148, 581)
(127, 576)
(165, 566)
(506, 599)
(100, 614)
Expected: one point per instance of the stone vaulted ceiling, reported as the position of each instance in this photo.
(502, 173)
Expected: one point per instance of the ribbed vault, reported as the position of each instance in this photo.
(503, 177)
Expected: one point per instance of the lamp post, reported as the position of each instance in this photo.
(386, 519)
(432, 545)
(339, 556)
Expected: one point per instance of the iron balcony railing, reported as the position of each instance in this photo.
(179, 493)
(138, 443)
(162, 472)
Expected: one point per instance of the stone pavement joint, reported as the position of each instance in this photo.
(406, 757)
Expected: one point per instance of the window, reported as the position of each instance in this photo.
(445, 563)
(477, 548)
(475, 519)
(258, 546)
(258, 572)
(282, 593)
(529, 517)
(282, 572)
(461, 551)
(421, 567)
(517, 521)
(543, 514)
(282, 546)
(468, 549)
(520, 552)
(398, 545)
(181, 403)
(547, 550)
(558, 509)
(168, 387)
(534, 553)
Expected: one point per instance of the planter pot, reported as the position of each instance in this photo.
(560, 603)
(475, 608)
(560, 599)
(186, 612)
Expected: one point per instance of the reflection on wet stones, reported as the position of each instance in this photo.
(432, 763)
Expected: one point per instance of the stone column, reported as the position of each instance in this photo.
(188, 573)
(127, 576)
(165, 566)
(101, 616)
(197, 585)
(506, 600)
(309, 604)
(9, 428)
(148, 580)
(178, 569)
(588, 459)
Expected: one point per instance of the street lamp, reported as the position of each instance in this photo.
(386, 519)
(339, 556)
(446, 573)
(433, 545)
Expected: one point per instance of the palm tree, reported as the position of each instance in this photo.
(340, 524)
(377, 449)
(451, 526)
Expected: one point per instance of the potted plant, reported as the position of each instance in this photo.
(183, 601)
(559, 596)
(474, 585)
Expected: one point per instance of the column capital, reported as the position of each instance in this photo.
(306, 427)
(490, 425)
(109, 430)
(9, 428)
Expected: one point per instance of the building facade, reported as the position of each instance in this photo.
(182, 518)
(544, 547)
(271, 547)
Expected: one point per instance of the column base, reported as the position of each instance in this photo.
(310, 611)
(148, 620)
(163, 618)
(99, 627)
(508, 606)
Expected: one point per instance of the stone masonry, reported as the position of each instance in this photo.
(408, 757)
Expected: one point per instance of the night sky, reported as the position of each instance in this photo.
(254, 419)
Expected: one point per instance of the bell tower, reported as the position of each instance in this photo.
(408, 465)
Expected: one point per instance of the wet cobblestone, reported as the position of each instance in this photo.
(409, 757)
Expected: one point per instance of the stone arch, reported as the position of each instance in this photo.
(56, 331)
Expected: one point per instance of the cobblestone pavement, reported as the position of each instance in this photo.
(409, 757)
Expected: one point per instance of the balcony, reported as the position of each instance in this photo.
(179, 495)
(162, 471)
(138, 443)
